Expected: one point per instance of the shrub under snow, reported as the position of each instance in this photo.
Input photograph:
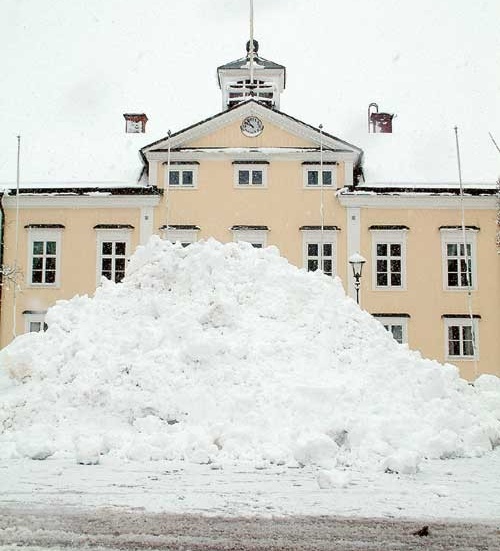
(222, 353)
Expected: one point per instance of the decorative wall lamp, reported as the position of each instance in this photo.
(357, 261)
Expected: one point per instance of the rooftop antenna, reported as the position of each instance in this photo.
(252, 51)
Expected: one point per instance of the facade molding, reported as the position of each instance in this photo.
(81, 201)
(415, 201)
(242, 154)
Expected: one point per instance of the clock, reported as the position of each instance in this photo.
(252, 126)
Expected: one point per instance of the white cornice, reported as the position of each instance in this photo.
(415, 201)
(280, 120)
(230, 154)
(79, 201)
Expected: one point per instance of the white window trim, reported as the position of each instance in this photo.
(391, 237)
(257, 237)
(465, 321)
(314, 236)
(250, 167)
(456, 236)
(44, 234)
(181, 168)
(175, 235)
(102, 235)
(38, 317)
(326, 167)
(395, 320)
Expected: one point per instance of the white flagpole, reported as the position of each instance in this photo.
(18, 177)
(252, 52)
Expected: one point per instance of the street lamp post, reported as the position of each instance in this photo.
(357, 261)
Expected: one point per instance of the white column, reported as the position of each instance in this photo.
(146, 227)
(353, 244)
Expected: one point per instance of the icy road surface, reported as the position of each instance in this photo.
(119, 530)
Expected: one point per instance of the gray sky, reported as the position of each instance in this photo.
(70, 69)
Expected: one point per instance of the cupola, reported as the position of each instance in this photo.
(251, 77)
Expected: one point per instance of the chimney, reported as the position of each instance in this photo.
(135, 123)
(379, 123)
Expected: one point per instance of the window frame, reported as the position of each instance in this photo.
(44, 235)
(388, 237)
(181, 168)
(317, 168)
(34, 317)
(251, 167)
(252, 236)
(461, 322)
(455, 237)
(111, 235)
(313, 237)
(394, 320)
(184, 236)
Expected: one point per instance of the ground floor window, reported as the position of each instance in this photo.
(185, 234)
(396, 324)
(461, 338)
(319, 249)
(34, 322)
(255, 235)
(113, 250)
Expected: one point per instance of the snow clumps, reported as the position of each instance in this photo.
(224, 353)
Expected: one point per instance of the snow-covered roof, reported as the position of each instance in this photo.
(259, 63)
(131, 188)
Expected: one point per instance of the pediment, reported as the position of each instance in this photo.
(223, 131)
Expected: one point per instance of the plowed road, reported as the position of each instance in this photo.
(115, 529)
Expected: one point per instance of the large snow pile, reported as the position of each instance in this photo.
(220, 353)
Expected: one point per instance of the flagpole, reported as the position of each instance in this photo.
(252, 53)
(18, 177)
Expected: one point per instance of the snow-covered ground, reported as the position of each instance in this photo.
(459, 489)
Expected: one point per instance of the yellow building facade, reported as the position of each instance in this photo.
(256, 174)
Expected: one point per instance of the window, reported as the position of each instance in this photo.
(312, 176)
(113, 259)
(389, 259)
(255, 235)
(250, 176)
(34, 322)
(318, 253)
(182, 176)
(461, 337)
(396, 324)
(184, 234)
(44, 248)
(113, 247)
(459, 265)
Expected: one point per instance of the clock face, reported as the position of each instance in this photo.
(252, 126)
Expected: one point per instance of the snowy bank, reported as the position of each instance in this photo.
(225, 353)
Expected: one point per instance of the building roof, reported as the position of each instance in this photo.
(244, 63)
